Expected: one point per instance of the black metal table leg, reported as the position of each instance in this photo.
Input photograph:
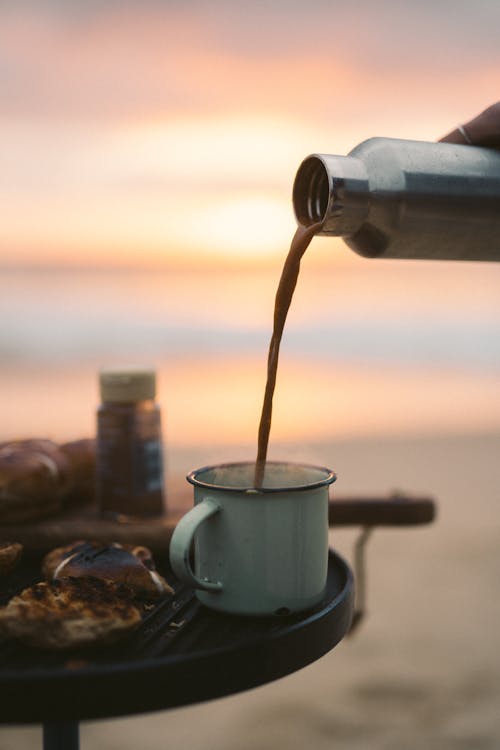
(61, 736)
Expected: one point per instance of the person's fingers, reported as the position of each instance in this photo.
(483, 130)
(455, 136)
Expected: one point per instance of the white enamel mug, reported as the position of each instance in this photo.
(256, 551)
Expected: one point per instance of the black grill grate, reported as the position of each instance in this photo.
(182, 653)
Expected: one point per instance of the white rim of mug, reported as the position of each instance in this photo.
(329, 478)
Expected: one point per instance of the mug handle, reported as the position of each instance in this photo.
(180, 544)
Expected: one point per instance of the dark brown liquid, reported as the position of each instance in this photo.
(284, 294)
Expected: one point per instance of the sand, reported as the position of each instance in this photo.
(423, 671)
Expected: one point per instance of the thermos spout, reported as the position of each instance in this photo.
(311, 191)
(333, 190)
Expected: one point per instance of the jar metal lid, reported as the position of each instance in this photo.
(127, 384)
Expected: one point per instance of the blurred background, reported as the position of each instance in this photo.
(148, 152)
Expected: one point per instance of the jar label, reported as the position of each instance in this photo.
(148, 464)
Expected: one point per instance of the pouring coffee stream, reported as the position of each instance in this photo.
(286, 287)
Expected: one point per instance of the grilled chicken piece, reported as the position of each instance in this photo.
(70, 613)
(10, 555)
(128, 564)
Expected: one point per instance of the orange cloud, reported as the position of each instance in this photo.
(130, 129)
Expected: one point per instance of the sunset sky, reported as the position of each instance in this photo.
(163, 133)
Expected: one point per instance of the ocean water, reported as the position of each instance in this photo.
(377, 347)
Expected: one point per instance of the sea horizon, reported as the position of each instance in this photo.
(376, 348)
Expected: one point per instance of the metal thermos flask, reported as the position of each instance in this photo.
(392, 198)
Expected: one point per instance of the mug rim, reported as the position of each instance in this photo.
(329, 478)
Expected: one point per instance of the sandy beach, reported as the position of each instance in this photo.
(423, 669)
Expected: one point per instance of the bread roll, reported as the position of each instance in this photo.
(127, 564)
(34, 478)
(81, 458)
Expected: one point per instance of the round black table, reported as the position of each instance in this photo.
(183, 653)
